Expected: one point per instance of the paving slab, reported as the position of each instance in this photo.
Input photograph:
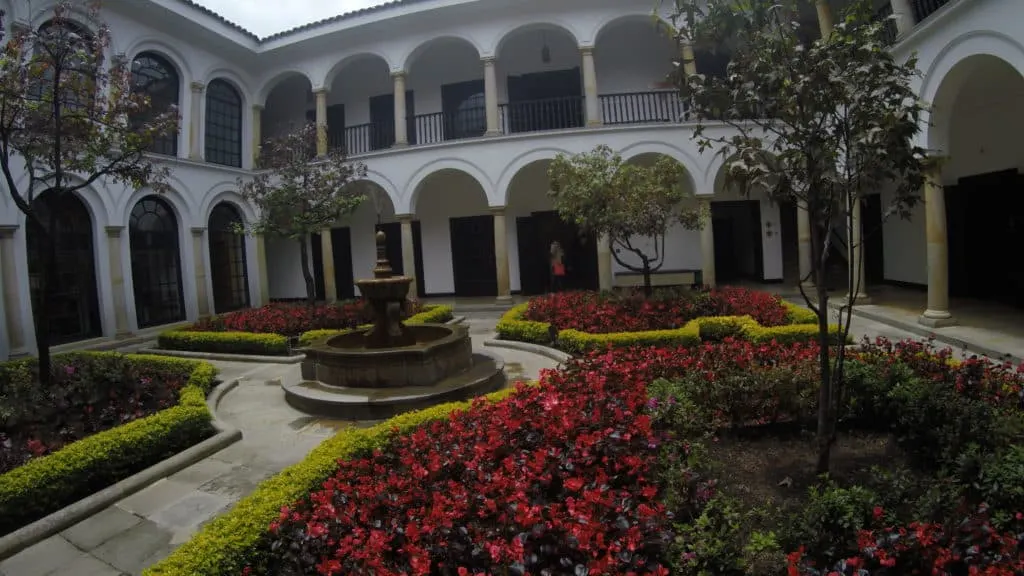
(42, 559)
(86, 565)
(137, 548)
(96, 530)
(185, 516)
(154, 497)
(201, 472)
(237, 482)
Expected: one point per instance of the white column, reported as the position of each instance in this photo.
(803, 235)
(937, 315)
(605, 278)
(195, 141)
(121, 329)
(491, 96)
(12, 300)
(257, 133)
(408, 252)
(261, 264)
(501, 253)
(855, 237)
(327, 255)
(689, 58)
(321, 121)
(202, 296)
(590, 87)
(904, 16)
(401, 129)
(707, 246)
(824, 17)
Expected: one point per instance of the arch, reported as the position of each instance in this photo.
(158, 77)
(167, 51)
(229, 271)
(688, 162)
(717, 180)
(385, 184)
(155, 256)
(948, 73)
(413, 187)
(267, 86)
(423, 47)
(74, 301)
(522, 161)
(224, 119)
(95, 196)
(77, 14)
(349, 59)
(515, 29)
(611, 22)
(241, 84)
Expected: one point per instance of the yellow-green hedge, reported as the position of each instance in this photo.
(431, 314)
(225, 545)
(267, 344)
(45, 485)
(802, 327)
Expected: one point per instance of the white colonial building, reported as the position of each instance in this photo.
(456, 107)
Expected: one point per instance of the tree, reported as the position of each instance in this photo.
(604, 195)
(821, 123)
(299, 194)
(67, 120)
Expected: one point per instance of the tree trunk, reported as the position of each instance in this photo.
(648, 287)
(41, 307)
(825, 435)
(307, 274)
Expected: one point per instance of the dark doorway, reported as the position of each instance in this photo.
(790, 243)
(738, 249)
(874, 241)
(382, 120)
(228, 271)
(465, 111)
(392, 246)
(979, 237)
(336, 126)
(545, 101)
(473, 264)
(341, 250)
(156, 263)
(535, 233)
(417, 252)
(317, 253)
(73, 312)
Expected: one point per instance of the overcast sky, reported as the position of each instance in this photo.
(265, 17)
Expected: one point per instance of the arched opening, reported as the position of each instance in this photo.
(539, 80)
(229, 272)
(633, 57)
(156, 263)
(223, 124)
(73, 306)
(535, 226)
(361, 105)
(978, 119)
(290, 105)
(55, 34)
(457, 233)
(155, 76)
(447, 76)
(355, 244)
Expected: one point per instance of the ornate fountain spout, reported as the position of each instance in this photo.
(386, 294)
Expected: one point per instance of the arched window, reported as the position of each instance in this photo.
(155, 76)
(156, 263)
(228, 271)
(223, 124)
(77, 55)
(73, 307)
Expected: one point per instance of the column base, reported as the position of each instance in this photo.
(503, 299)
(123, 335)
(936, 319)
(859, 300)
(400, 145)
(19, 353)
(491, 133)
(594, 123)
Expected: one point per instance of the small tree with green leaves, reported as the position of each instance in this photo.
(299, 194)
(68, 119)
(821, 123)
(606, 196)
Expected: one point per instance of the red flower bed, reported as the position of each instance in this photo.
(292, 319)
(601, 313)
(89, 394)
(554, 480)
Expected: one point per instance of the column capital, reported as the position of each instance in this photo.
(113, 231)
(322, 90)
(488, 60)
(405, 217)
(396, 74)
(198, 230)
(587, 50)
(933, 161)
(198, 87)
(258, 107)
(497, 210)
(7, 231)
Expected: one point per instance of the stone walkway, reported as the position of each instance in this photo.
(145, 527)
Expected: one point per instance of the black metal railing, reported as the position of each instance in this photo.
(539, 115)
(925, 8)
(363, 138)
(442, 126)
(642, 107)
(884, 14)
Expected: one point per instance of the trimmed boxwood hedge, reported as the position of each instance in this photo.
(803, 326)
(261, 344)
(47, 484)
(229, 542)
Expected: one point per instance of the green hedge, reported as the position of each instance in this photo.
(432, 314)
(803, 326)
(45, 485)
(267, 344)
(226, 544)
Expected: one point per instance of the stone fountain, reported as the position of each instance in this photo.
(391, 367)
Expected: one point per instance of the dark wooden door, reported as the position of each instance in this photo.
(317, 253)
(336, 126)
(726, 269)
(874, 245)
(533, 258)
(465, 112)
(382, 120)
(756, 237)
(417, 252)
(473, 263)
(393, 245)
(341, 249)
(545, 101)
(580, 250)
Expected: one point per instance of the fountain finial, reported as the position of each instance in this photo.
(383, 268)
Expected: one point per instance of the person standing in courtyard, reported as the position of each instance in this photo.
(557, 267)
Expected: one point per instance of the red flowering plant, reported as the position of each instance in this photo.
(554, 480)
(89, 394)
(634, 312)
(292, 319)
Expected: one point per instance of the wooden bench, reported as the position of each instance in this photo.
(660, 278)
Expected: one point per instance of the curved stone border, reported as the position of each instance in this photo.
(545, 351)
(293, 359)
(74, 513)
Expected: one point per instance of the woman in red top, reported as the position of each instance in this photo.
(557, 266)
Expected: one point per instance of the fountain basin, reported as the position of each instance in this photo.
(440, 351)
